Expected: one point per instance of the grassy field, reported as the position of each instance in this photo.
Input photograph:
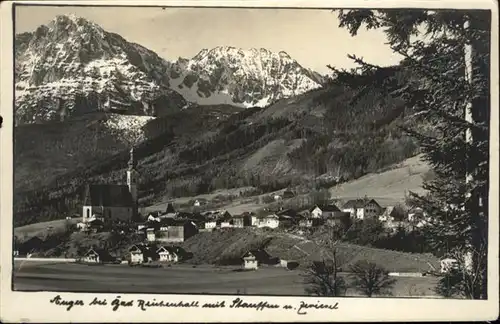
(43, 229)
(181, 279)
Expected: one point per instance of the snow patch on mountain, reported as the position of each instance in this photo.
(129, 126)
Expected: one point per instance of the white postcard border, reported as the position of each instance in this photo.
(36, 307)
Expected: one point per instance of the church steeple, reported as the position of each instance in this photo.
(132, 177)
(132, 163)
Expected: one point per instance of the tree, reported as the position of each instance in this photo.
(371, 279)
(322, 280)
(446, 53)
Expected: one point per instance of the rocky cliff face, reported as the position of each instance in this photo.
(254, 77)
(72, 66)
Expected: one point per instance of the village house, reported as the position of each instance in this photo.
(175, 231)
(287, 212)
(154, 216)
(306, 222)
(362, 208)
(328, 211)
(94, 225)
(140, 253)
(249, 261)
(448, 264)
(339, 219)
(169, 212)
(254, 220)
(254, 258)
(81, 226)
(270, 221)
(151, 234)
(225, 223)
(287, 218)
(113, 202)
(415, 214)
(96, 255)
(167, 254)
(239, 221)
(210, 224)
(393, 213)
(286, 221)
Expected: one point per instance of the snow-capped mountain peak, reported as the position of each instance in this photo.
(71, 65)
(242, 77)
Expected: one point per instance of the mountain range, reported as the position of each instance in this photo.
(72, 66)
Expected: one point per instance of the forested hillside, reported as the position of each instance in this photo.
(330, 131)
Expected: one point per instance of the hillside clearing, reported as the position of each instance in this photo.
(387, 187)
(43, 229)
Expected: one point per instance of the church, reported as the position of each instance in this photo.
(109, 202)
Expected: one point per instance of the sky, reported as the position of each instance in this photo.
(310, 36)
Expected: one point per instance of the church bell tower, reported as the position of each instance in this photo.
(132, 177)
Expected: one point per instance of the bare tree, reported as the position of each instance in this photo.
(371, 279)
(322, 280)
(322, 277)
(462, 280)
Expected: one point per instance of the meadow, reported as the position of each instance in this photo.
(183, 279)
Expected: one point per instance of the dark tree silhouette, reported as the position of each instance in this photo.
(371, 279)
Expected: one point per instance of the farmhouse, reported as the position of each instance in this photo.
(113, 202)
(96, 255)
(362, 208)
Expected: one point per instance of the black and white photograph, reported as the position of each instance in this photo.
(318, 153)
